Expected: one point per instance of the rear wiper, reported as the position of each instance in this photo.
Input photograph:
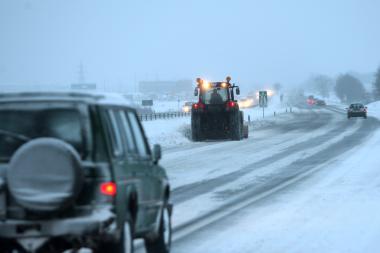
(15, 135)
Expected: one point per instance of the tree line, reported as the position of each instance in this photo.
(346, 87)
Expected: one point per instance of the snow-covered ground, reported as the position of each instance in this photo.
(374, 109)
(335, 210)
(168, 132)
(331, 208)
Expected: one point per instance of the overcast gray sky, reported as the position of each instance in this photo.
(44, 41)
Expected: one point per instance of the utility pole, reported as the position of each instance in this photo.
(81, 78)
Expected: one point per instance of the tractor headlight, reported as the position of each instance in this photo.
(205, 85)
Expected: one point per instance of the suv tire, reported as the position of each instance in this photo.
(123, 245)
(162, 243)
(45, 175)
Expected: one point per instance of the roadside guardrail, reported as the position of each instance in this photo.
(162, 115)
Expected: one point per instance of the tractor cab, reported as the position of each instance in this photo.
(216, 92)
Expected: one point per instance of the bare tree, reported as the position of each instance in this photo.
(376, 85)
(322, 84)
(277, 87)
(349, 89)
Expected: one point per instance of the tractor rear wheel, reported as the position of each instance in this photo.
(235, 127)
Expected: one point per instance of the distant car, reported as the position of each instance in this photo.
(320, 102)
(187, 106)
(246, 103)
(310, 100)
(357, 110)
(76, 171)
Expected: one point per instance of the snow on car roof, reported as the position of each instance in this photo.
(105, 98)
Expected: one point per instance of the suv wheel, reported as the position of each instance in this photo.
(162, 243)
(123, 245)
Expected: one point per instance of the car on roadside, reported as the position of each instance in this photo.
(320, 102)
(246, 103)
(76, 171)
(356, 110)
(187, 107)
(311, 100)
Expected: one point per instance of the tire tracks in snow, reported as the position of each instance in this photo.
(189, 191)
(290, 175)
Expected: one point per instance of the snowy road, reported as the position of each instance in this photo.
(294, 186)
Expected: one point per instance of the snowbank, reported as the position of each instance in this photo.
(169, 132)
(374, 109)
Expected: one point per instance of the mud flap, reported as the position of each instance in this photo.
(245, 131)
(235, 127)
(196, 131)
(3, 207)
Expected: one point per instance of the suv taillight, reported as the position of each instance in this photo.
(108, 189)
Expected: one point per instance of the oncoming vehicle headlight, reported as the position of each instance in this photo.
(270, 93)
(186, 108)
(224, 85)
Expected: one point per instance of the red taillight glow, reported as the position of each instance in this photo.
(198, 105)
(108, 188)
(231, 104)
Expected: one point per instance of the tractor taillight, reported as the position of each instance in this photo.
(231, 104)
(198, 105)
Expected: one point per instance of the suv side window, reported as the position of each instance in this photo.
(127, 129)
(141, 144)
(117, 146)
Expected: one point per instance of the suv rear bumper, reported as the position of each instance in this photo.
(99, 222)
(356, 114)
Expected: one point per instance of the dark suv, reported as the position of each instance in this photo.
(357, 110)
(76, 171)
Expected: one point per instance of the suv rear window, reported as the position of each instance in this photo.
(356, 106)
(22, 122)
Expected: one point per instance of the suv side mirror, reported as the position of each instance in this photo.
(157, 154)
(196, 92)
(237, 91)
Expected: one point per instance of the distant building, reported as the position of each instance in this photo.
(166, 87)
(83, 86)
